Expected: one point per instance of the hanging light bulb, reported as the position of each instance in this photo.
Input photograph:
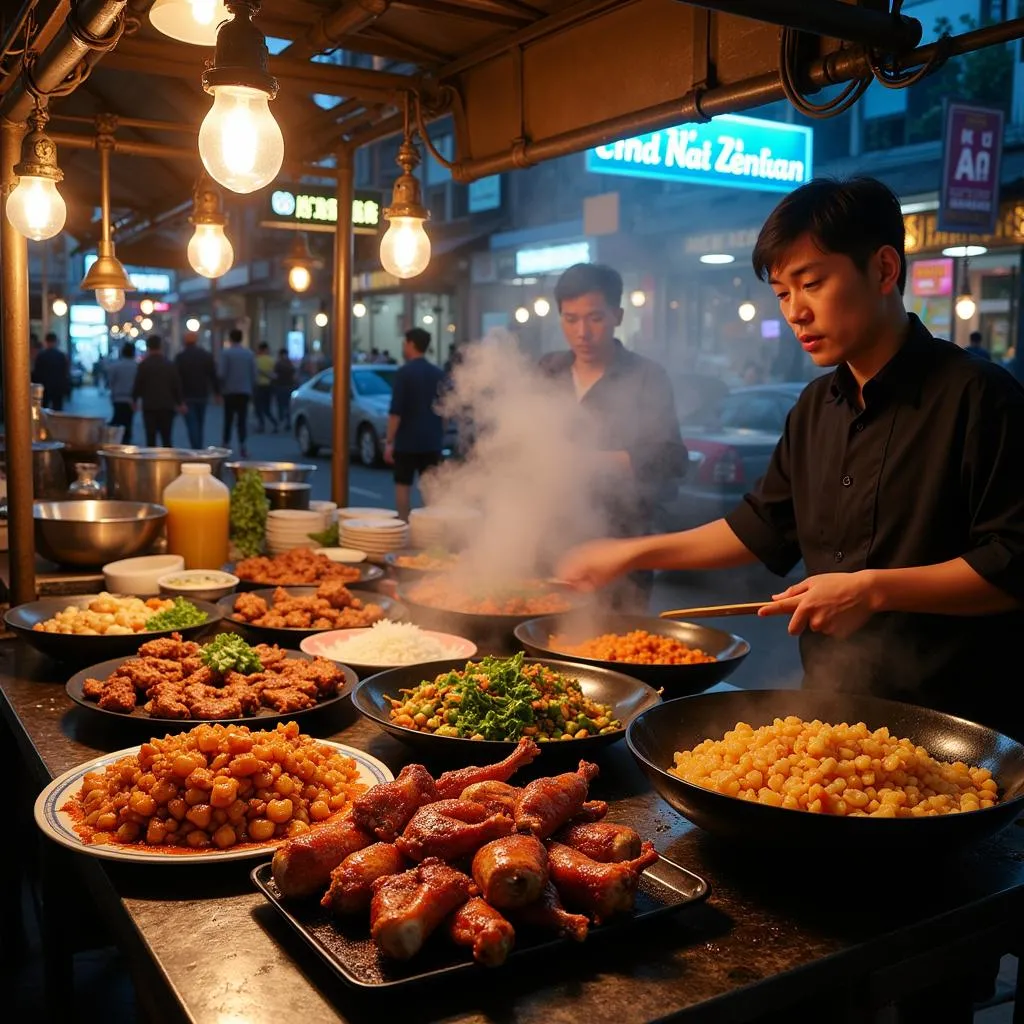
(239, 141)
(300, 263)
(747, 311)
(193, 324)
(146, 307)
(542, 307)
(209, 252)
(637, 299)
(189, 21)
(359, 310)
(320, 319)
(965, 306)
(522, 315)
(59, 307)
(405, 247)
(107, 277)
(35, 208)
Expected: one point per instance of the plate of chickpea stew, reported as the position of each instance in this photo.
(679, 658)
(829, 771)
(215, 793)
(455, 707)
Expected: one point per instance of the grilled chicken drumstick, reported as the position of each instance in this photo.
(386, 809)
(478, 925)
(497, 797)
(303, 865)
(451, 784)
(549, 914)
(512, 871)
(451, 829)
(406, 908)
(601, 890)
(604, 841)
(352, 880)
(545, 805)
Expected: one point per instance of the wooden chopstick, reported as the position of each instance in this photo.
(714, 610)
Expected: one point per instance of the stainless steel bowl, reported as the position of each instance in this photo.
(92, 533)
(49, 477)
(274, 472)
(141, 474)
(75, 431)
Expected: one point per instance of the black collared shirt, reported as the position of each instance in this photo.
(630, 408)
(930, 470)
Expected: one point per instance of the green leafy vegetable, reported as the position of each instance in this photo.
(249, 513)
(180, 615)
(227, 652)
(328, 538)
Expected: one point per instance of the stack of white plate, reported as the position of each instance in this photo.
(357, 512)
(374, 536)
(441, 526)
(289, 528)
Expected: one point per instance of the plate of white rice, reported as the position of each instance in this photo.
(387, 644)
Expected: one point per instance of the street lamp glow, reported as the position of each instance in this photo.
(240, 143)
(359, 310)
(637, 299)
(717, 259)
(405, 247)
(146, 324)
(111, 299)
(299, 278)
(964, 250)
(134, 332)
(320, 319)
(59, 307)
(210, 252)
(542, 307)
(192, 324)
(35, 208)
(428, 319)
(522, 314)
(965, 306)
(146, 307)
(747, 311)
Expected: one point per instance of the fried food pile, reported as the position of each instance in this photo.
(530, 597)
(472, 855)
(635, 648)
(168, 679)
(216, 786)
(332, 607)
(427, 561)
(295, 568)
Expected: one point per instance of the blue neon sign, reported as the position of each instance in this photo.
(729, 151)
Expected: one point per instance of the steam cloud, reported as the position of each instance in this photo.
(532, 472)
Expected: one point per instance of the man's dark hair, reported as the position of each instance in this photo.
(853, 217)
(153, 343)
(235, 336)
(51, 338)
(975, 337)
(263, 347)
(418, 338)
(128, 350)
(585, 278)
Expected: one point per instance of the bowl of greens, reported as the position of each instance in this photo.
(65, 628)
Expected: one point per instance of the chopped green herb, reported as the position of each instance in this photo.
(180, 615)
(328, 538)
(227, 652)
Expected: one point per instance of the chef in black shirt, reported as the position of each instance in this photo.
(899, 479)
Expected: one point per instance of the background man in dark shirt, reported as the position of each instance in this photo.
(52, 369)
(897, 478)
(198, 376)
(415, 431)
(158, 388)
(629, 408)
(975, 346)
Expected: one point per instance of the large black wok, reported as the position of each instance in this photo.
(654, 736)
(674, 680)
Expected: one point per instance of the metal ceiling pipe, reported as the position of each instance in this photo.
(16, 25)
(876, 29)
(126, 147)
(350, 18)
(63, 55)
(341, 317)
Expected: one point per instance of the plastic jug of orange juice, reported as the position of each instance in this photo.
(198, 509)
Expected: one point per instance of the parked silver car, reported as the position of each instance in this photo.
(370, 395)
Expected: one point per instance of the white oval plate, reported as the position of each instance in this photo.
(457, 647)
(59, 826)
(361, 512)
(349, 555)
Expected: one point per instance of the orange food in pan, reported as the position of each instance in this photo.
(636, 648)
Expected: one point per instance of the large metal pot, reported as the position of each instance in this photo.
(75, 431)
(49, 478)
(274, 472)
(141, 474)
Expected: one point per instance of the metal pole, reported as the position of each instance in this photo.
(17, 372)
(342, 296)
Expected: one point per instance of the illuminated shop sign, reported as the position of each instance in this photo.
(729, 151)
(551, 259)
(316, 209)
(143, 279)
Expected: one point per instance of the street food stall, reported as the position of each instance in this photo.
(159, 803)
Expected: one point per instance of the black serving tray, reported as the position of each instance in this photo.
(345, 946)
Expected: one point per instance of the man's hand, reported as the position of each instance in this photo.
(595, 564)
(389, 453)
(835, 603)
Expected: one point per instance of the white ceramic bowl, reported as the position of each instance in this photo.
(202, 584)
(347, 555)
(140, 576)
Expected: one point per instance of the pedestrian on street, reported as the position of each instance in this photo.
(158, 389)
(237, 382)
(53, 371)
(284, 385)
(976, 348)
(415, 430)
(263, 390)
(198, 381)
(629, 410)
(121, 378)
